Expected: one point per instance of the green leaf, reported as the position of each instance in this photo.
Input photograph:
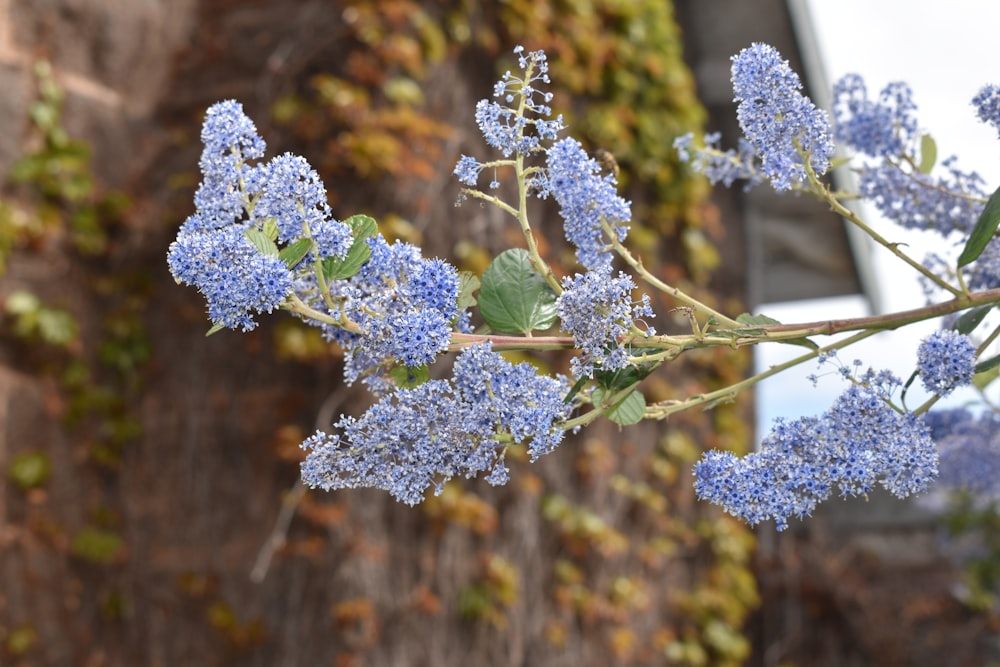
(928, 154)
(985, 227)
(56, 327)
(627, 411)
(97, 545)
(988, 364)
(623, 377)
(293, 253)
(35, 320)
(216, 328)
(906, 386)
(270, 229)
(721, 400)
(22, 302)
(757, 320)
(363, 227)
(802, 342)
(575, 389)
(265, 245)
(755, 329)
(29, 470)
(971, 319)
(407, 378)
(468, 283)
(982, 380)
(513, 297)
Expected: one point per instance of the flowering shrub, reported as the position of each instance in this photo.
(263, 238)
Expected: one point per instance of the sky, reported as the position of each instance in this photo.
(946, 52)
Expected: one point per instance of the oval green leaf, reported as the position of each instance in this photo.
(928, 153)
(988, 364)
(756, 320)
(97, 545)
(970, 319)
(408, 378)
(363, 227)
(513, 297)
(270, 229)
(983, 379)
(623, 377)
(468, 283)
(265, 245)
(293, 253)
(629, 410)
(29, 470)
(984, 230)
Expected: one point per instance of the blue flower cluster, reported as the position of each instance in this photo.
(230, 139)
(987, 103)
(292, 194)
(886, 128)
(521, 123)
(785, 127)
(886, 131)
(232, 274)
(969, 447)
(405, 306)
(859, 441)
(984, 273)
(213, 250)
(587, 201)
(417, 438)
(950, 202)
(717, 165)
(596, 308)
(946, 359)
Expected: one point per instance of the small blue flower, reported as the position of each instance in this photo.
(502, 128)
(512, 397)
(405, 306)
(228, 131)
(946, 359)
(415, 337)
(407, 442)
(331, 238)
(886, 131)
(984, 273)
(467, 170)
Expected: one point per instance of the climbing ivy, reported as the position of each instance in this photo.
(54, 206)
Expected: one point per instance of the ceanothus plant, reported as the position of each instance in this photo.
(263, 238)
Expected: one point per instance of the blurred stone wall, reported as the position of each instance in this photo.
(114, 58)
